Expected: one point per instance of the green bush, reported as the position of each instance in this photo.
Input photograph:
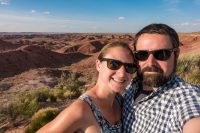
(59, 93)
(25, 104)
(52, 97)
(72, 94)
(70, 86)
(42, 117)
(42, 95)
(194, 77)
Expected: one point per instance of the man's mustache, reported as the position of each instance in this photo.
(152, 69)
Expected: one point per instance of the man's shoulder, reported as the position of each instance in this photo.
(178, 89)
(183, 85)
(183, 90)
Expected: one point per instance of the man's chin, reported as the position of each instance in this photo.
(153, 80)
(151, 84)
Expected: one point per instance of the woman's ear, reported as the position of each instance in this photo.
(98, 65)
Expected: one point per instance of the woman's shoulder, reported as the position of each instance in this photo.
(79, 108)
(70, 119)
(74, 115)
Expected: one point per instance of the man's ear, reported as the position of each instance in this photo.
(98, 63)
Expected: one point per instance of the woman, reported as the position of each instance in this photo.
(99, 109)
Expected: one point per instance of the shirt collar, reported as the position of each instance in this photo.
(173, 81)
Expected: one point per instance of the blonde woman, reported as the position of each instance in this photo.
(99, 109)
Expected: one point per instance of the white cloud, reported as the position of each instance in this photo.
(121, 18)
(4, 2)
(43, 23)
(194, 23)
(46, 12)
(185, 24)
(188, 26)
(33, 11)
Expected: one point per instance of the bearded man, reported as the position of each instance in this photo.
(157, 100)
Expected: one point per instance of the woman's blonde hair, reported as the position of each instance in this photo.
(106, 48)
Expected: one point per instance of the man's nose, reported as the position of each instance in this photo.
(151, 60)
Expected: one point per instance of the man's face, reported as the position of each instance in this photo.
(154, 72)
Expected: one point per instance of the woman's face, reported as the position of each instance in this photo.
(114, 80)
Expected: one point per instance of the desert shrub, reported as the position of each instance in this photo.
(5, 123)
(59, 93)
(42, 95)
(188, 68)
(188, 62)
(52, 97)
(9, 111)
(40, 118)
(72, 94)
(193, 77)
(70, 85)
(59, 86)
(24, 104)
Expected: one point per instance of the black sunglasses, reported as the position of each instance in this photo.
(160, 54)
(116, 64)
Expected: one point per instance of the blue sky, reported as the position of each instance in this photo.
(97, 16)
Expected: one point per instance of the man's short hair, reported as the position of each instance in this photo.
(162, 29)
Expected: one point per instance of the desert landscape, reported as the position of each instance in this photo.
(31, 61)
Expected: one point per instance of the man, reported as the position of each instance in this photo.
(158, 101)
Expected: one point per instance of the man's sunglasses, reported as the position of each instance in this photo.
(161, 54)
(116, 64)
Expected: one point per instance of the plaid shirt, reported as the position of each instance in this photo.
(164, 111)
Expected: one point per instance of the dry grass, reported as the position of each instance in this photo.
(189, 68)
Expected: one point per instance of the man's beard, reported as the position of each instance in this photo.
(154, 79)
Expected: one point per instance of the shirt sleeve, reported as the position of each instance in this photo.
(187, 103)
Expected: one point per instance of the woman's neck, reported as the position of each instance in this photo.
(102, 96)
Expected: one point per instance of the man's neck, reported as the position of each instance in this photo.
(148, 88)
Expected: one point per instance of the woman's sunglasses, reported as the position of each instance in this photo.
(116, 64)
(161, 54)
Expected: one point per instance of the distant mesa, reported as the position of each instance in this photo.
(88, 47)
(91, 47)
(5, 46)
(189, 39)
(69, 49)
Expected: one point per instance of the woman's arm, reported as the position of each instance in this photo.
(69, 120)
(192, 126)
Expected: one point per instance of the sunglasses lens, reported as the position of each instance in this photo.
(113, 64)
(141, 55)
(162, 54)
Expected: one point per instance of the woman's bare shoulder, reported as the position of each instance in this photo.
(71, 118)
(80, 108)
